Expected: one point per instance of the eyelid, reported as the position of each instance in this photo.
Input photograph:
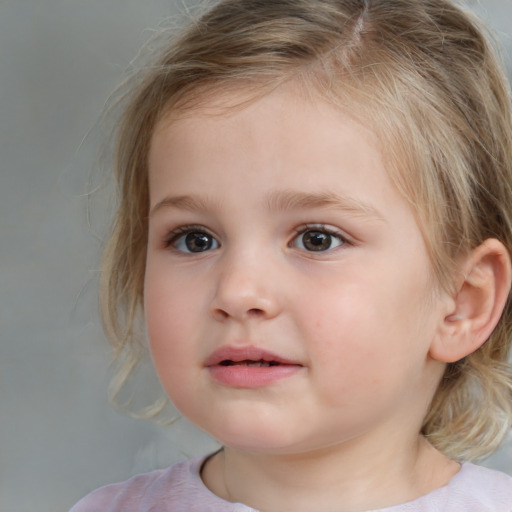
(325, 228)
(175, 234)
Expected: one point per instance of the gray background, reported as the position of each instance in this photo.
(60, 438)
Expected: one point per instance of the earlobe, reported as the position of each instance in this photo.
(478, 303)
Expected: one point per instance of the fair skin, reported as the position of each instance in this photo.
(276, 233)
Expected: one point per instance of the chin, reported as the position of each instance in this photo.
(248, 435)
(262, 440)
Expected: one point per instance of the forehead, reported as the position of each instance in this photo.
(282, 124)
(278, 150)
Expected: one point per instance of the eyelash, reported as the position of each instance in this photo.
(175, 236)
(172, 239)
(321, 228)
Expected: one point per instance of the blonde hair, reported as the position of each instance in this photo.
(423, 74)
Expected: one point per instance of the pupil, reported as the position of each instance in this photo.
(198, 242)
(317, 241)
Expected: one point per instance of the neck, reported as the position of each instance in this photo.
(336, 478)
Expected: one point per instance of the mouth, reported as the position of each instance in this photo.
(247, 356)
(261, 363)
(249, 367)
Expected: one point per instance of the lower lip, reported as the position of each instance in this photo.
(251, 376)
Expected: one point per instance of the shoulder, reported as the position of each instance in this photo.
(163, 490)
(472, 489)
(483, 487)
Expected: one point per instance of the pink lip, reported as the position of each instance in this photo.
(231, 366)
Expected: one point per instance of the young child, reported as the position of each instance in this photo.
(316, 221)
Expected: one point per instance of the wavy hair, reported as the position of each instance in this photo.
(425, 76)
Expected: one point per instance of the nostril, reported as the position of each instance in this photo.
(220, 314)
(242, 307)
(255, 312)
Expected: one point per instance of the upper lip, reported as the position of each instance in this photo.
(245, 353)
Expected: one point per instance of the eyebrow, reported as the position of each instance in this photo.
(291, 200)
(283, 200)
(191, 203)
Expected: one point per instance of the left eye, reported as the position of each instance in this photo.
(194, 242)
(317, 240)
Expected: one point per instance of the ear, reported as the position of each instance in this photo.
(477, 304)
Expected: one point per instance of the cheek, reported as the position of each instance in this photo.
(361, 333)
(169, 300)
(342, 335)
(169, 318)
(173, 357)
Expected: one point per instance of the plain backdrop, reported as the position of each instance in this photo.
(60, 438)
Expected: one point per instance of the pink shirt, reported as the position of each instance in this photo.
(179, 488)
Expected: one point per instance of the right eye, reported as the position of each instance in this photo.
(191, 240)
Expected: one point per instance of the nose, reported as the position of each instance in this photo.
(246, 289)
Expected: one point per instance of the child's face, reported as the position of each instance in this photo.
(276, 234)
